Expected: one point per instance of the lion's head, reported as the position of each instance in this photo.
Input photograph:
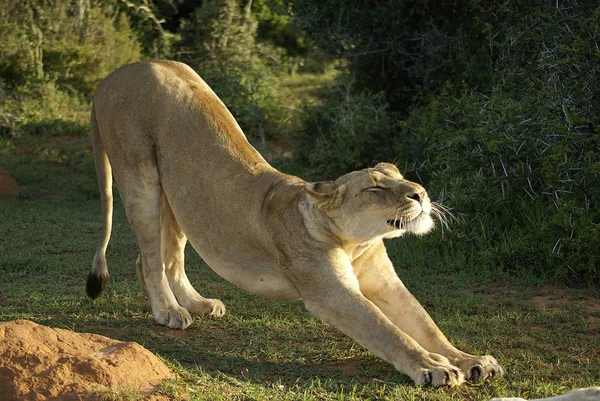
(374, 202)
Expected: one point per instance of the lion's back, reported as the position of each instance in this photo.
(153, 89)
(170, 102)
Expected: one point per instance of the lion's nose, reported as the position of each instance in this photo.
(417, 194)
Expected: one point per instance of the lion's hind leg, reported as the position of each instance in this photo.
(140, 191)
(173, 242)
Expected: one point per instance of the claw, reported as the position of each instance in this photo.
(496, 372)
(428, 378)
(476, 373)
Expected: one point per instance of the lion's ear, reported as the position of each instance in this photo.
(326, 194)
(388, 166)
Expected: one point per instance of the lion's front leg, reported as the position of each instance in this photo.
(401, 307)
(331, 292)
(380, 284)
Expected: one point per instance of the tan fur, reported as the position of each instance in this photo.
(186, 172)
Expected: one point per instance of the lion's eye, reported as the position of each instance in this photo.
(375, 189)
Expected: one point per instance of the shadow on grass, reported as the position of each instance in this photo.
(290, 373)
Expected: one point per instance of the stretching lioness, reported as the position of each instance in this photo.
(185, 171)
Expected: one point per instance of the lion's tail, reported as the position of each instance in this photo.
(98, 276)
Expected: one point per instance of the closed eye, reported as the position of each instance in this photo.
(375, 189)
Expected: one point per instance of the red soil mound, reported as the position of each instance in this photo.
(41, 363)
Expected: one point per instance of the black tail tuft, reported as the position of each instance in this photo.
(95, 285)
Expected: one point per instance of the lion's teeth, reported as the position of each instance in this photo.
(395, 223)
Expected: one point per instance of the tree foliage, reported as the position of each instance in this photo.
(57, 51)
(220, 41)
(404, 47)
(71, 43)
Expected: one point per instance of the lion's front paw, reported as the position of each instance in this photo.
(174, 318)
(437, 371)
(478, 368)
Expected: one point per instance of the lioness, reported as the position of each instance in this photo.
(185, 171)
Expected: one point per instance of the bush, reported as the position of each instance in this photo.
(61, 112)
(64, 42)
(105, 43)
(521, 162)
(517, 160)
(219, 41)
(344, 135)
(404, 47)
(523, 183)
(57, 51)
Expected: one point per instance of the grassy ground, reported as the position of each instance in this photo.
(546, 337)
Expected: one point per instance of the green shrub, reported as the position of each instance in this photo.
(519, 162)
(52, 54)
(61, 112)
(404, 47)
(345, 134)
(524, 185)
(146, 21)
(522, 162)
(219, 42)
(105, 43)
(69, 43)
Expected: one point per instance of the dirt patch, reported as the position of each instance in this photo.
(171, 333)
(550, 303)
(41, 363)
(8, 186)
(348, 366)
(546, 298)
(557, 300)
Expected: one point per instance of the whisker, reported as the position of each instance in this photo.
(439, 206)
(444, 215)
(445, 211)
(400, 222)
(441, 218)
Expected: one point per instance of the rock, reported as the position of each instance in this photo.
(583, 394)
(8, 186)
(41, 363)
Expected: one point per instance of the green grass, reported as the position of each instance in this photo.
(305, 88)
(546, 337)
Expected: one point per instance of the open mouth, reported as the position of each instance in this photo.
(419, 223)
(397, 223)
(404, 222)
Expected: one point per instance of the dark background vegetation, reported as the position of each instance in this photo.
(492, 105)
